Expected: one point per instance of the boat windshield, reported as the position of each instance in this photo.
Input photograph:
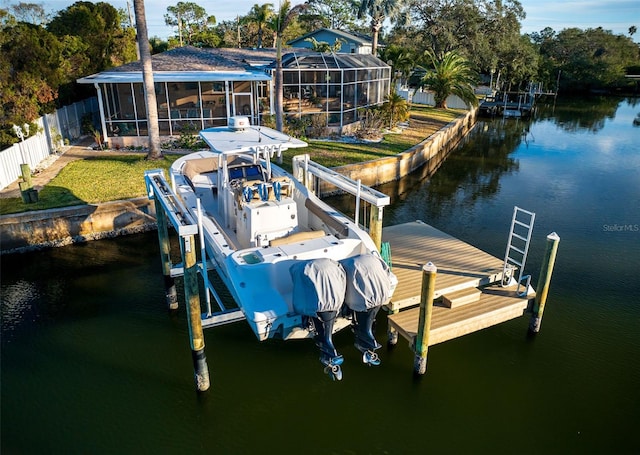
(251, 172)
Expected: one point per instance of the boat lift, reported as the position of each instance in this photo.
(186, 227)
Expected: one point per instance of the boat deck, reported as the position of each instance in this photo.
(464, 272)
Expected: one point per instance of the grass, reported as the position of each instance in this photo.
(424, 122)
(103, 179)
(92, 181)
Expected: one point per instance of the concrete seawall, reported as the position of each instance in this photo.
(40, 229)
(429, 153)
(63, 226)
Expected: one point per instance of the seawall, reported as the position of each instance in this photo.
(41, 229)
(429, 153)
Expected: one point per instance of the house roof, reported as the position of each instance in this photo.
(188, 63)
(360, 39)
(191, 64)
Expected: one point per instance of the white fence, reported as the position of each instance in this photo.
(426, 97)
(64, 126)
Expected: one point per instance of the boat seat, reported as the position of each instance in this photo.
(285, 187)
(240, 188)
(200, 166)
(297, 237)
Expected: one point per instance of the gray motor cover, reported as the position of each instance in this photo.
(368, 282)
(318, 285)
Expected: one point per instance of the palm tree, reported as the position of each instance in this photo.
(147, 77)
(396, 107)
(260, 15)
(324, 47)
(401, 60)
(285, 15)
(378, 11)
(451, 75)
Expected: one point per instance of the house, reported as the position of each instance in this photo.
(199, 88)
(351, 44)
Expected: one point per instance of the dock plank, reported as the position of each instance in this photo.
(496, 305)
(460, 265)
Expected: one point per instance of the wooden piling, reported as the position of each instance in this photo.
(543, 282)
(25, 172)
(165, 249)
(192, 297)
(375, 225)
(429, 272)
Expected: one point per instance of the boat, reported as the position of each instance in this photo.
(295, 266)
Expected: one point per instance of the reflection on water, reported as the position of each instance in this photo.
(91, 362)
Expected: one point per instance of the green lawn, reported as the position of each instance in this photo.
(91, 181)
(103, 179)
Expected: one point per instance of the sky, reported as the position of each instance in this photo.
(614, 15)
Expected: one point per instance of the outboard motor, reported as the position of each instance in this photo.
(368, 288)
(319, 288)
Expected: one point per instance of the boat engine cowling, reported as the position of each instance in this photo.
(319, 285)
(368, 288)
(319, 288)
(368, 282)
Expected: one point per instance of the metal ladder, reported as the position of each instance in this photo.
(517, 248)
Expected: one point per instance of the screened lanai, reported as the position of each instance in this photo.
(200, 88)
(333, 85)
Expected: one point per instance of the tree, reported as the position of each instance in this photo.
(192, 21)
(285, 15)
(260, 16)
(378, 11)
(396, 107)
(99, 27)
(451, 75)
(333, 14)
(31, 69)
(592, 58)
(323, 46)
(32, 13)
(149, 87)
(402, 61)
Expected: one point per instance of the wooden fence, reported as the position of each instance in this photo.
(64, 126)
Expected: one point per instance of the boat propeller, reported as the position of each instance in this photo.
(332, 367)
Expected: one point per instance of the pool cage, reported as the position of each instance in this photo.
(334, 86)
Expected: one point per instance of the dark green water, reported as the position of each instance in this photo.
(92, 363)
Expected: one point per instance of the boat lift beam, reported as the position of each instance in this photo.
(159, 190)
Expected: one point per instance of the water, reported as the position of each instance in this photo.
(92, 362)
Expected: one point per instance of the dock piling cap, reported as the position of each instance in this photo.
(553, 236)
(429, 267)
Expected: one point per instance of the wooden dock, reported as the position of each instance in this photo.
(468, 296)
